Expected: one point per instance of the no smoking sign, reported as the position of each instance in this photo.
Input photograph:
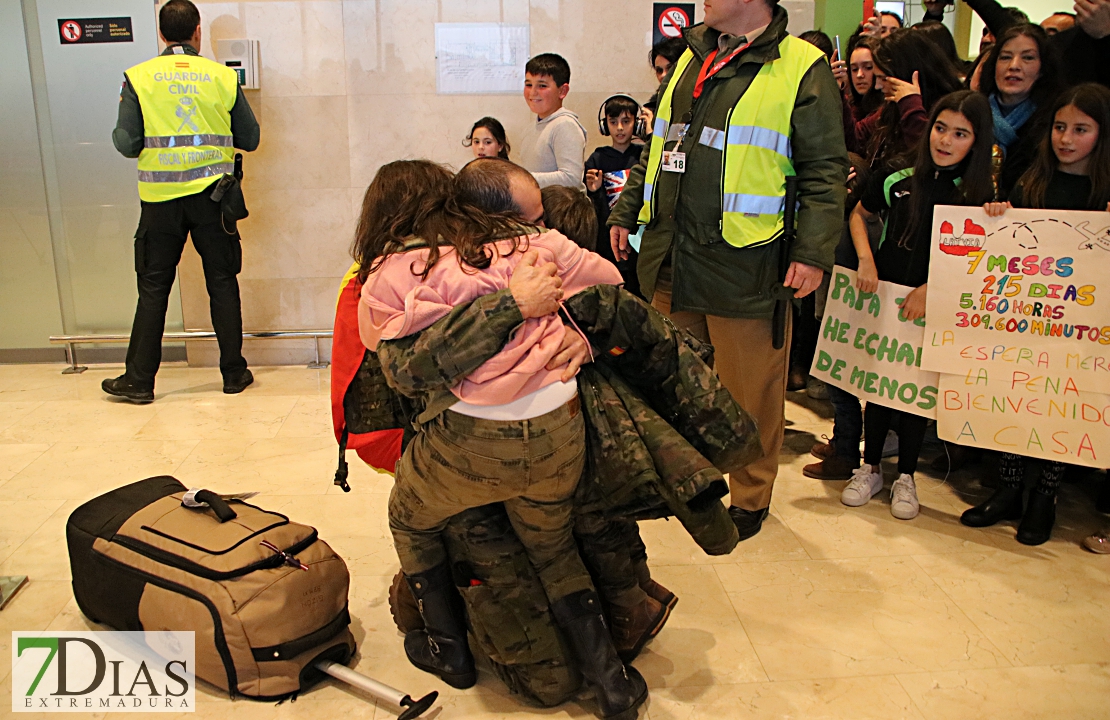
(670, 19)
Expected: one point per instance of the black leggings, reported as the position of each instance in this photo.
(1011, 471)
(877, 420)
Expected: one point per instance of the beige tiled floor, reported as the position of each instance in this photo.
(830, 612)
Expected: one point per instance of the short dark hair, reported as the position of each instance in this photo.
(570, 212)
(671, 49)
(551, 65)
(178, 20)
(894, 15)
(819, 40)
(486, 184)
(618, 105)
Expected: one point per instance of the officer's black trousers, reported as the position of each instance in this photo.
(163, 229)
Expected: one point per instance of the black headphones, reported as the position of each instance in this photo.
(639, 129)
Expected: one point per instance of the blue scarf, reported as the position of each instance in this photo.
(1006, 128)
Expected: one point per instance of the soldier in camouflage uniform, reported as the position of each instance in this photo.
(506, 604)
(530, 460)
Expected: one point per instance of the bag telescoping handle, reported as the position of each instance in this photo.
(196, 498)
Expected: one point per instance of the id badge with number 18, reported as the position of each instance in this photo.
(674, 161)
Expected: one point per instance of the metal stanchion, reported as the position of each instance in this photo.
(70, 342)
(316, 364)
(71, 358)
(409, 708)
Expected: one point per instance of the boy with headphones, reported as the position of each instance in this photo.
(607, 169)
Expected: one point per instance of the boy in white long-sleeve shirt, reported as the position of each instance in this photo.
(553, 148)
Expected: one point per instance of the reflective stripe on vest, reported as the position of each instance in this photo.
(659, 132)
(186, 103)
(756, 147)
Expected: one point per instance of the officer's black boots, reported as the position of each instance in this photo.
(125, 387)
(441, 647)
(619, 690)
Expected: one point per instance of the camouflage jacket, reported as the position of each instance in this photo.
(662, 428)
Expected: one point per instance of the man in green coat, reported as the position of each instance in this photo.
(710, 191)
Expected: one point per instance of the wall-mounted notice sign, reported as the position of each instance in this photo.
(78, 31)
(480, 58)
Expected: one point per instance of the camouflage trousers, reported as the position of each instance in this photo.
(532, 466)
(615, 556)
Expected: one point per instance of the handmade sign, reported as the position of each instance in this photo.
(867, 348)
(1018, 323)
(1026, 413)
(1027, 291)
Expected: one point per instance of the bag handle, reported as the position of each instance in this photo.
(200, 498)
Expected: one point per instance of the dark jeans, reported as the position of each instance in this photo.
(163, 229)
(847, 423)
(911, 435)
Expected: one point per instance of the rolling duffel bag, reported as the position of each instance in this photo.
(265, 596)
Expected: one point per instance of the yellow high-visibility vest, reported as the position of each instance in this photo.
(186, 102)
(756, 147)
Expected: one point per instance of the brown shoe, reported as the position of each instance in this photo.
(632, 627)
(660, 594)
(402, 606)
(832, 468)
(822, 450)
(1098, 543)
(797, 380)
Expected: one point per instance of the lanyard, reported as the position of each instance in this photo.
(710, 68)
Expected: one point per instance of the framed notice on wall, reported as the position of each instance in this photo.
(480, 58)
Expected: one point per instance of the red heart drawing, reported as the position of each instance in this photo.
(971, 228)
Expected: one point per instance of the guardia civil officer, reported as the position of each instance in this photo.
(182, 115)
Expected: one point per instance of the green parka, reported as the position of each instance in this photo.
(709, 275)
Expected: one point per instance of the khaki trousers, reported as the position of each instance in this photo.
(533, 466)
(755, 374)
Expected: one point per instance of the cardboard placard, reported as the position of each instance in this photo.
(1027, 291)
(867, 348)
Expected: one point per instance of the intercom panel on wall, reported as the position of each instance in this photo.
(241, 55)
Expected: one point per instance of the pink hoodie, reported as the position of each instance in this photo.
(396, 303)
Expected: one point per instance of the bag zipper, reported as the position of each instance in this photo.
(179, 541)
(176, 561)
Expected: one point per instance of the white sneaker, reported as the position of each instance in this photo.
(890, 445)
(862, 487)
(903, 498)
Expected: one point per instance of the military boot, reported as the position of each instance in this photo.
(632, 627)
(441, 647)
(619, 690)
(402, 606)
(661, 594)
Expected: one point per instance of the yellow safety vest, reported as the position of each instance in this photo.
(186, 102)
(756, 148)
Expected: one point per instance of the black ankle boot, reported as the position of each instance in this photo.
(1040, 516)
(620, 690)
(1004, 504)
(440, 648)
